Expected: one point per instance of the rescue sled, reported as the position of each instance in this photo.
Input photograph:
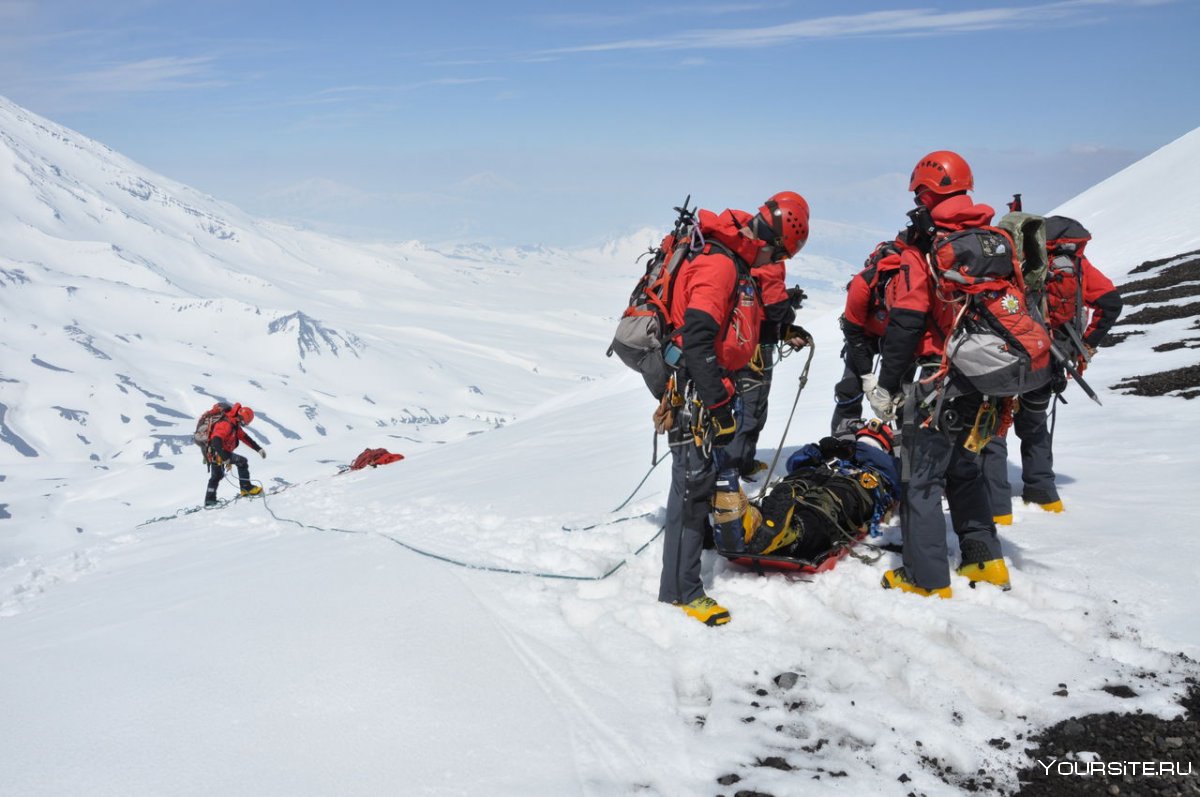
(761, 563)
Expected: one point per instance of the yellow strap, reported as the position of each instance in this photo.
(756, 360)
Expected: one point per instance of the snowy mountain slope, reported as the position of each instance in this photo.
(131, 303)
(320, 641)
(396, 671)
(1144, 212)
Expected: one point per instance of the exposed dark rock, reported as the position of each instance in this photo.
(1157, 313)
(1185, 382)
(786, 680)
(775, 762)
(1186, 343)
(1113, 338)
(1152, 264)
(1173, 275)
(1162, 295)
(1125, 744)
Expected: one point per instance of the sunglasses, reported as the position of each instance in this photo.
(763, 232)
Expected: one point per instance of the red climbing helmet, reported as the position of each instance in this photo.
(244, 414)
(786, 216)
(878, 431)
(942, 172)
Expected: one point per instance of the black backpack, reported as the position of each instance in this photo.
(997, 342)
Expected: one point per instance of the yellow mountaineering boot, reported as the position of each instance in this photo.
(976, 565)
(1053, 506)
(898, 579)
(706, 610)
(1002, 520)
(990, 572)
(255, 490)
(765, 536)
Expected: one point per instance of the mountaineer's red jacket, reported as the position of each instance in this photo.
(918, 321)
(778, 313)
(865, 316)
(1100, 296)
(715, 312)
(864, 310)
(226, 433)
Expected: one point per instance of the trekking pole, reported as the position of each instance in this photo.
(812, 349)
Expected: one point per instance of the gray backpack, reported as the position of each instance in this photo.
(645, 324)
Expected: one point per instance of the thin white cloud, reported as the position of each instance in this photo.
(454, 81)
(903, 22)
(338, 94)
(150, 74)
(587, 19)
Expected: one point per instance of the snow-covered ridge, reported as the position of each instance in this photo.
(1144, 212)
(133, 302)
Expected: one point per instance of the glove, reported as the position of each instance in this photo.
(262, 452)
(1058, 380)
(796, 296)
(832, 447)
(664, 418)
(1085, 360)
(882, 401)
(796, 336)
(723, 425)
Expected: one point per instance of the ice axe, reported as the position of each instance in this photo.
(1065, 362)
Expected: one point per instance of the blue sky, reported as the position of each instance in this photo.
(544, 122)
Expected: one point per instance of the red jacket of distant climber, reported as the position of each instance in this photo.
(227, 432)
